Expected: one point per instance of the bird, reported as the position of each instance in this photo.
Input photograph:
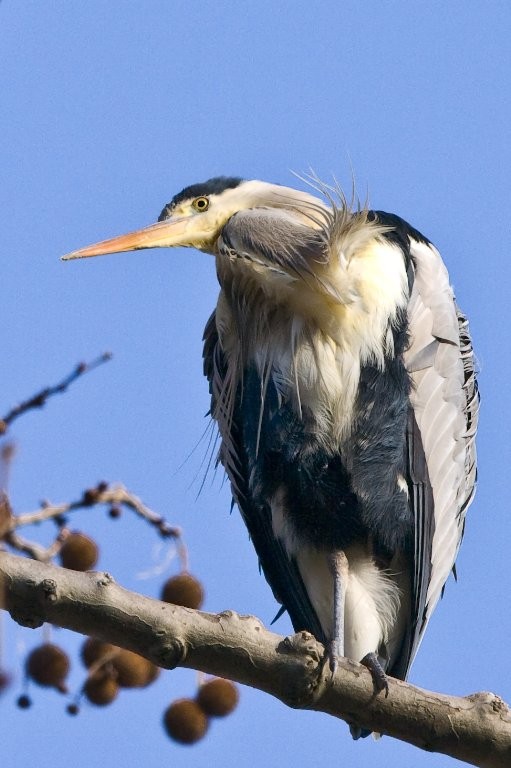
(343, 383)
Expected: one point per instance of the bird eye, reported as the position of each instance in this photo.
(201, 204)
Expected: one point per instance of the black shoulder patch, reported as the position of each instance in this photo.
(400, 228)
(210, 187)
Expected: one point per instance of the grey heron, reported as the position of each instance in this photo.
(343, 383)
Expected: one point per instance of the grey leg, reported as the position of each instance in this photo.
(340, 569)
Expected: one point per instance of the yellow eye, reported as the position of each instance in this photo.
(201, 204)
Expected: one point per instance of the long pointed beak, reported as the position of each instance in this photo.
(164, 234)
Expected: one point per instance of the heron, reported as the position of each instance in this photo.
(342, 380)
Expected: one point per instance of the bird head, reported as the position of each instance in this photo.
(196, 216)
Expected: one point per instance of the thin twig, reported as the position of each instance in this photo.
(33, 550)
(39, 399)
(101, 494)
(114, 496)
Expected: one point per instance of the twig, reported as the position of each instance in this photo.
(101, 494)
(38, 400)
(36, 551)
(115, 495)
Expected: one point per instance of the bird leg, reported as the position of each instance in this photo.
(339, 567)
(380, 682)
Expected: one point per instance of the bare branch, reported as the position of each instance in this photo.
(39, 399)
(476, 728)
(34, 550)
(115, 496)
(101, 494)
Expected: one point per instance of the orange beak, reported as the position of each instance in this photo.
(164, 234)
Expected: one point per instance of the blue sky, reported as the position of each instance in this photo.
(107, 110)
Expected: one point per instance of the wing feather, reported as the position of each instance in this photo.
(445, 406)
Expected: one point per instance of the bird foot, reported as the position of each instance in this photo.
(335, 651)
(380, 681)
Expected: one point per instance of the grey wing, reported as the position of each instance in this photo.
(280, 571)
(441, 432)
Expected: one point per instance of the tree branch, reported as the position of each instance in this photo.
(475, 729)
(102, 494)
(115, 496)
(39, 399)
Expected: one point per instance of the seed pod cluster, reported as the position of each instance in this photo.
(113, 668)
(187, 720)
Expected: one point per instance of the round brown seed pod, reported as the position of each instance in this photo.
(134, 671)
(101, 688)
(183, 589)
(79, 552)
(218, 697)
(94, 650)
(185, 721)
(48, 665)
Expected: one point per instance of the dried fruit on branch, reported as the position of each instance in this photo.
(185, 721)
(133, 670)
(94, 650)
(101, 688)
(218, 697)
(79, 552)
(48, 665)
(183, 589)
